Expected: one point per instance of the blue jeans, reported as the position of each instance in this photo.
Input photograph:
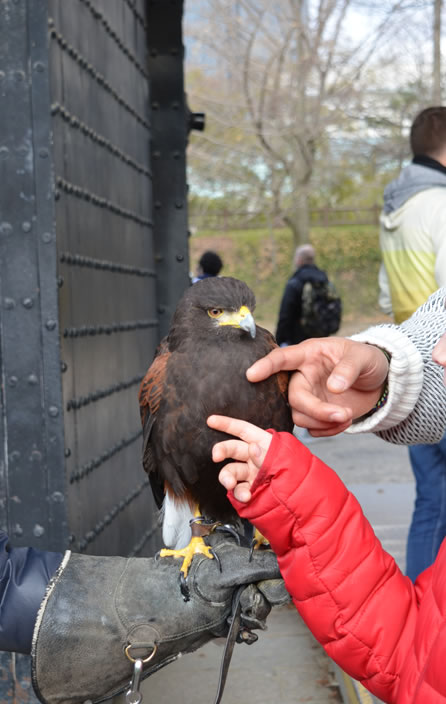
(428, 527)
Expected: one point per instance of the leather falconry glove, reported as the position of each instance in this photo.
(102, 616)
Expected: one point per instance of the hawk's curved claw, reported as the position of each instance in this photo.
(185, 591)
(226, 528)
(252, 548)
(157, 556)
(217, 559)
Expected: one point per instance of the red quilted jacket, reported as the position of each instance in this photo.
(378, 626)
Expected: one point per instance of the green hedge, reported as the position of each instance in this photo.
(350, 255)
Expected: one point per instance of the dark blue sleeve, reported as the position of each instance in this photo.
(289, 313)
(24, 577)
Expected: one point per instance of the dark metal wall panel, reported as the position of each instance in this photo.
(32, 477)
(169, 141)
(31, 453)
(108, 314)
(113, 252)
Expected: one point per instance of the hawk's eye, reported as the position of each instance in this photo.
(215, 312)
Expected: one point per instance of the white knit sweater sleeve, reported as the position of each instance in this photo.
(415, 411)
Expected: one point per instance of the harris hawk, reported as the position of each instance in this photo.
(198, 370)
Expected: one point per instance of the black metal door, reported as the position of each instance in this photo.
(107, 300)
(90, 260)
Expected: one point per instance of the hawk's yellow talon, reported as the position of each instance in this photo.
(259, 540)
(196, 546)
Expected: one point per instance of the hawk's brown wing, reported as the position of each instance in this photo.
(283, 377)
(179, 392)
(150, 396)
(151, 389)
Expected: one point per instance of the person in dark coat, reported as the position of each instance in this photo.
(289, 330)
(210, 264)
(24, 577)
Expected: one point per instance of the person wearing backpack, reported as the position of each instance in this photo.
(310, 306)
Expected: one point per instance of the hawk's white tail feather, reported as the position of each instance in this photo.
(176, 516)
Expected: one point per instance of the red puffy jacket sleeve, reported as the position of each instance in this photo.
(348, 590)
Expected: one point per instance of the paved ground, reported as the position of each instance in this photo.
(287, 665)
(379, 475)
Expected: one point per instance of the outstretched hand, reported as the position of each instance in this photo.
(335, 381)
(248, 451)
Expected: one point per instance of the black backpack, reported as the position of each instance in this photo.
(321, 309)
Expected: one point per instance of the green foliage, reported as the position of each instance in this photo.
(263, 258)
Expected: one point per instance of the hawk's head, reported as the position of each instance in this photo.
(220, 305)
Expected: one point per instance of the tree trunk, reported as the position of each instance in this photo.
(298, 218)
(436, 73)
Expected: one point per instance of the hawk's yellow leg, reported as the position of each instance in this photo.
(197, 546)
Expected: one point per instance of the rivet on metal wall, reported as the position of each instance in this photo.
(156, 154)
(39, 66)
(28, 302)
(157, 204)
(38, 530)
(175, 105)
(67, 452)
(176, 155)
(19, 76)
(43, 153)
(153, 52)
(155, 105)
(26, 226)
(63, 366)
(6, 229)
(57, 497)
(12, 381)
(4, 153)
(180, 258)
(47, 237)
(60, 281)
(8, 303)
(33, 379)
(178, 204)
(35, 456)
(17, 530)
(53, 411)
(2, 75)
(50, 324)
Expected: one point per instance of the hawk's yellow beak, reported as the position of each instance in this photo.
(241, 318)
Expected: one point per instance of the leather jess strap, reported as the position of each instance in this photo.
(235, 634)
